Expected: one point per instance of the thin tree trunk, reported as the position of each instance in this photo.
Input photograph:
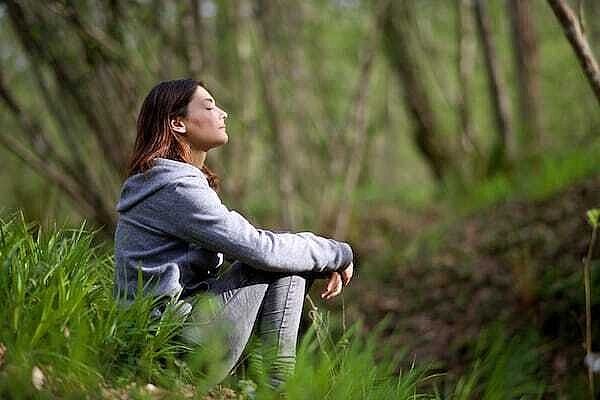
(227, 68)
(198, 60)
(278, 126)
(345, 158)
(358, 147)
(65, 79)
(579, 43)
(501, 149)
(43, 158)
(182, 43)
(466, 63)
(393, 22)
(76, 149)
(525, 46)
(244, 143)
(46, 168)
(115, 18)
(105, 57)
(592, 8)
(78, 179)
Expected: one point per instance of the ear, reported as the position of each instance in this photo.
(177, 125)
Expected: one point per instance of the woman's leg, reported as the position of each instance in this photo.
(225, 317)
(279, 322)
(240, 295)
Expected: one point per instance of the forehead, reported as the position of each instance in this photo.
(202, 95)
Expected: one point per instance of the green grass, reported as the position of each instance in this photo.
(58, 314)
(505, 368)
(531, 179)
(59, 317)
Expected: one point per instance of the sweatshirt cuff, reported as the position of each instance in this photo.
(347, 256)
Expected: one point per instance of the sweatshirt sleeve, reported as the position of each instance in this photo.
(196, 214)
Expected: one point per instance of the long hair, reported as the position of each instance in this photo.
(155, 138)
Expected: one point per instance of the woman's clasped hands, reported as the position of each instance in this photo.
(336, 281)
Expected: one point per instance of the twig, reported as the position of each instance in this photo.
(593, 218)
(579, 43)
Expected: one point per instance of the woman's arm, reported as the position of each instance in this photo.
(194, 212)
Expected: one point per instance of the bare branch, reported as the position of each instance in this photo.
(43, 157)
(65, 79)
(579, 43)
(48, 170)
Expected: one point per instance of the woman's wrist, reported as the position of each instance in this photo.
(347, 256)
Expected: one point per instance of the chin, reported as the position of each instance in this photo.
(219, 143)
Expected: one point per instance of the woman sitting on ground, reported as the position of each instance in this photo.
(174, 232)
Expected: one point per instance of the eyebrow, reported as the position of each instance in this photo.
(209, 99)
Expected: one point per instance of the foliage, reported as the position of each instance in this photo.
(97, 60)
(64, 335)
(505, 368)
(59, 314)
(537, 178)
(518, 261)
(77, 71)
(61, 319)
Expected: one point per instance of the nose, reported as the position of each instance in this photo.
(224, 114)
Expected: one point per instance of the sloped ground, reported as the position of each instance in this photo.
(519, 263)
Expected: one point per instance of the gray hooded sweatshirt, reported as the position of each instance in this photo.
(173, 232)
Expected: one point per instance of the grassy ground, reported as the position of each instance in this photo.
(517, 262)
(63, 335)
(505, 250)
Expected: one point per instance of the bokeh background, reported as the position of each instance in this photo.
(453, 143)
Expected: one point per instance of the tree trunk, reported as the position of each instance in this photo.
(579, 43)
(526, 55)
(500, 153)
(267, 71)
(357, 148)
(393, 21)
(466, 63)
(42, 156)
(75, 101)
(592, 27)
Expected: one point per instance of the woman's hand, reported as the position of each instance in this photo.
(334, 286)
(347, 274)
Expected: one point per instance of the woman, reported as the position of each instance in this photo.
(173, 232)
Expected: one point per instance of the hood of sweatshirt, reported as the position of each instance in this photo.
(139, 187)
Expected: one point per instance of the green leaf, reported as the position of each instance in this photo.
(593, 216)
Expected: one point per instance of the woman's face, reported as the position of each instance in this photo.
(205, 122)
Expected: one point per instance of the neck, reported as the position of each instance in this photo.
(198, 157)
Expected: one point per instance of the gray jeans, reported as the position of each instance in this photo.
(244, 299)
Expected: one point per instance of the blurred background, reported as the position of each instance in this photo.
(453, 143)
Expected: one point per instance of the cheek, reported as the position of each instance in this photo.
(200, 122)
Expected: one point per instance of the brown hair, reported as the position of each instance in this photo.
(155, 138)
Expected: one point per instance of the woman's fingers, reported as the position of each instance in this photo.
(347, 274)
(328, 286)
(336, 281)
(334, 286)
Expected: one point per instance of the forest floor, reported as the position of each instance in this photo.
(517, 264)
(487, 304)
